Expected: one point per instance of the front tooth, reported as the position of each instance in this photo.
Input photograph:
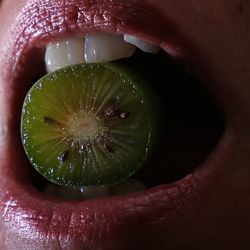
(128, 186)
(64, 53)
(144, 46)
(106, 47)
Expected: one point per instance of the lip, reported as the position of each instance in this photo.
(136, 220)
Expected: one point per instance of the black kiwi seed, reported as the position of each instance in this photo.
(109, 111)
(88, 124)
(109, 148)
(124, 114)
(63, 157)
(50, 121)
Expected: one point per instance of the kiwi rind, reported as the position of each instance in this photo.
(45, 118)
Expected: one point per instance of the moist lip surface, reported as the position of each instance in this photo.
(139, 220)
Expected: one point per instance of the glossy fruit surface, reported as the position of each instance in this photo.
(88, 124)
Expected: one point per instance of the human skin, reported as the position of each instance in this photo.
(212, 211)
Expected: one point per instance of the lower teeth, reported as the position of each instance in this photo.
(63, 192)
(128, 186)
(85, 193)
(94, 192)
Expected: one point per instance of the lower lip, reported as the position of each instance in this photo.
(29, 214)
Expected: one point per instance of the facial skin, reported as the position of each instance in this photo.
(217, 36)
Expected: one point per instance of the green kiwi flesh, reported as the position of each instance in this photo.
(88, 124)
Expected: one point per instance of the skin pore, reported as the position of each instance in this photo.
(217, 36)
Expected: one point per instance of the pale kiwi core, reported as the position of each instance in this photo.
(85, 127)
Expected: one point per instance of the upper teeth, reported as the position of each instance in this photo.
(144, 46)
(64, 53)
(94, 48)
(106, 47)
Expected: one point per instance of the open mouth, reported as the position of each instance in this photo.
(185, 162)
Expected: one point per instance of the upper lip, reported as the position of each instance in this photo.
(102, 222)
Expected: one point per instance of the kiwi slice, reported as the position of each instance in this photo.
(88, 124)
